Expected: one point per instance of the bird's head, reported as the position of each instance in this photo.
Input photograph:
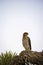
(25, 33)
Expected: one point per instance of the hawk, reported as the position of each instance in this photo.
(26, 41)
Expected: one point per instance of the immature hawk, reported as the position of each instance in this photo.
(26, 41)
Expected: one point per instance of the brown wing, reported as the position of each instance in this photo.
(29, 42)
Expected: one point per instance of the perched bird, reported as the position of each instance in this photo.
(26, 41)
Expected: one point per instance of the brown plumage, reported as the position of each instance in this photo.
(26, 41)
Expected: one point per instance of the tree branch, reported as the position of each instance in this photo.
(28, 56)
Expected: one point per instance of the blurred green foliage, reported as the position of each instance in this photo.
(6, 58)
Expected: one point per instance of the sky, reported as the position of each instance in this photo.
(17, 17)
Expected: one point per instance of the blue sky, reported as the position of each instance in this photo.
(16, 17)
